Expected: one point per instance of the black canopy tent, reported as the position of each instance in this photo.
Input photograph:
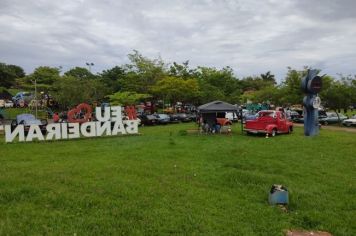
(212, 110)
(217, 106)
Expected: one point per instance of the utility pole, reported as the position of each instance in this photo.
(36, 97)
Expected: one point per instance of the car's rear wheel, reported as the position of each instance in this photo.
(325, 123)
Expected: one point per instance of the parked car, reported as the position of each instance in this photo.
(231, 116)
(350, 122)
(9, 104)
(296, 115)
(28, 119)
(163, 119)
(22, 98)
(192, 116)
(183, 117)
(148, 119)
(248, 115)
(270, 123)
(223, 121)
(332, 118)
(300, 118)
(127, 118)
(174, 118)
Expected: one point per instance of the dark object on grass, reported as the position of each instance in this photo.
(278, 195)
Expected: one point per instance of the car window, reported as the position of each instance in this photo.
(266, 114)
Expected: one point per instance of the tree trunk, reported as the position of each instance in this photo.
(338, 118)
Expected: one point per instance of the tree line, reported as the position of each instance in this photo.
(153, 79)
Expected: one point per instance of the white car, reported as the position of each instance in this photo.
(350, 122)
(231, 116)
(9, 104)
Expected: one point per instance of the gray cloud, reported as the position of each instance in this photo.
(252, 37)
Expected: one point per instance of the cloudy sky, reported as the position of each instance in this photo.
(251, 36)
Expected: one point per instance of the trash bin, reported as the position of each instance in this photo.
(278, 195)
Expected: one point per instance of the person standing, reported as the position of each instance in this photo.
(55, 117)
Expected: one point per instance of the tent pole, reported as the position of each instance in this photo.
(242, 125)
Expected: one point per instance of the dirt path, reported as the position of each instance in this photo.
(347, 129)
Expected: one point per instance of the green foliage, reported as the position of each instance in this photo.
(43, 75)
(112, 78)
(80, 73)
(142, 73)
(290, 89)
(269, 94)
(9, 74)
(208, 93)
(127, 98)
(70, 91)
(336, 96)
(253, 83)
(268, 77)
(175, 89)
(218, 85)
(182, 70)
(178, 83)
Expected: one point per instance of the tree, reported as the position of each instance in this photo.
(208, 93)
(9, 74)
(142, 73)
(127, 98)
(253, 83)
(112, 78)
(268, 77)
(70, 91)
(44, 75)
(174, 89)
(182, 70)
(222, 83)
(268, 94)
(290, 89)
(80, 73)
(337, 95)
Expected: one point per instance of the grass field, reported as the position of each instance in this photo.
(166, 182)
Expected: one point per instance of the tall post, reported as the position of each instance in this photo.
(36, 97)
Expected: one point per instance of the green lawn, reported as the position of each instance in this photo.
(164, 182)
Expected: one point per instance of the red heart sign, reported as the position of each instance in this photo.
(80, 114)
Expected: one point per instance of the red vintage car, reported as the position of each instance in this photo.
(269, 122)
